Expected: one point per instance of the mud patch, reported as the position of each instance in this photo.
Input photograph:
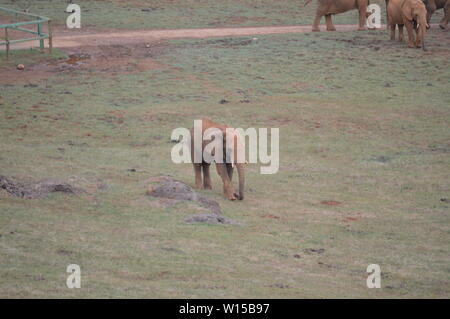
(270, 216)
(103, 59)
(351, 219)
(75, 58)
(331, 202)
(312, 251)
(64, 252)
(112, 58)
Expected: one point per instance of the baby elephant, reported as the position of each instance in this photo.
(413, 15)
(228, 154)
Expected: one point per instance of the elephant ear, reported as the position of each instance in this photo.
(407, 10)
(235, 148)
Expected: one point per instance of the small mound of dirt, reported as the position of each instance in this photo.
(208, 219)
(280, 285)
(176, 190)
(39, 189)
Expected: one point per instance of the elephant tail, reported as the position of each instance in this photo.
(307, 2)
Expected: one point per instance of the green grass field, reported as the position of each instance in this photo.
(363, 121)
(167, 14)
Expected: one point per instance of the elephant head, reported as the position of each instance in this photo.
(415, 11)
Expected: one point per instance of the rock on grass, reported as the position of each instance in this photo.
(176, 190)
(32, 189)
(208, 219)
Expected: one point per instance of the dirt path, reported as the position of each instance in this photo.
(64, 38)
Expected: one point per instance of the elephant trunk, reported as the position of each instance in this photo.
(428, 19)
(240, 170)
(423, 29)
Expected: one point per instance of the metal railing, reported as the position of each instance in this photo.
(18, 26)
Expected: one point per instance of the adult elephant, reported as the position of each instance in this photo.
(433, 5)
(412, 14)
(329, 7)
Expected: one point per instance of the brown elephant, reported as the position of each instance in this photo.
(413, 15)
(329, 7)
(433, 5)
(225, 168)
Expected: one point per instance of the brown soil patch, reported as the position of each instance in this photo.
(270, 216)
(351, 219)
(97, 60)
(331, 202)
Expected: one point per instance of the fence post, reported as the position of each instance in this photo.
(50, 38)
(7, 43)
(41, 41)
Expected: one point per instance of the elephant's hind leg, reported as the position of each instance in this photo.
(392, 26)
(315, 26)
(206, 176)
(198, 175)
(329, 22)
(400, 32)
(444, 21)
(362, 18)
(230, 171)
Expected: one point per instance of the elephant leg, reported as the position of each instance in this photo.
(206, 177)
(329, 22)
(198, 175)
(228, 190)
(417, 43)
(409, 29)
(444, 22)
(387, 14)
(392, 26)
(230, 169)
(315, 26)
(400, 32)
(362, 18)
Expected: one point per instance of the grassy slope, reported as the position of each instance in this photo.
(363, 121)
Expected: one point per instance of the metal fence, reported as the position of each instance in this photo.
(19, 26)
